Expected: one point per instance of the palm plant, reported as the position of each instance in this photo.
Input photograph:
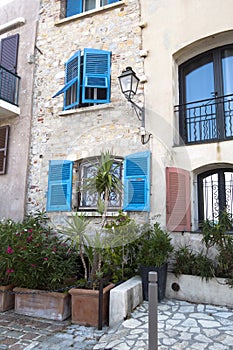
(104, 183)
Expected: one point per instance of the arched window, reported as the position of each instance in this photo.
(215, 193)
(206, 97)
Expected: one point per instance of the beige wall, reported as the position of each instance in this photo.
(177, 30)
(13, 183)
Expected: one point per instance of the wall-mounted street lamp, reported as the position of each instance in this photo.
(129, 84)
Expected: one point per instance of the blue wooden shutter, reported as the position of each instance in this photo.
(59, 185)
(112, 1)
(71, 89)
(73, 7)
(96, 75)
(4, 135)
(137, 182)
(9, 52)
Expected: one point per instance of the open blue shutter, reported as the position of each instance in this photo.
(59, 185)
(73, 7)
(137, 182)
(73, 73)
(96, 75)
(71, 89)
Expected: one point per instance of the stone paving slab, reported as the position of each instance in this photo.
(181, 325)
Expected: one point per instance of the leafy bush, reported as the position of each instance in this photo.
(154, 246)
(189, 263)
(32, 256)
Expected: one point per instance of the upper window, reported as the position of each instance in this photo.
(215, 193)
(206, 97)
(74, 7)
(9, 86)
(87, 79)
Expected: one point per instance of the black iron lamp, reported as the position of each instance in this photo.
(129, 84)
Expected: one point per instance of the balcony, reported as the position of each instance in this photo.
(9, 93)
(209, 120)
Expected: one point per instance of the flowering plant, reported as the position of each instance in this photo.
(32, 256)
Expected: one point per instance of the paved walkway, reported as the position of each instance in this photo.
(181, 326)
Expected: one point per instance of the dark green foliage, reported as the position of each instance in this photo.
(188, 263)
(154, 246)
(215, 234)
(32, 256)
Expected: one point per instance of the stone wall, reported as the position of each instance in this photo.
(83, 132)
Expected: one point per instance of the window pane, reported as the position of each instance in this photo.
(89, 5)
(103, 2)
(200, 116)
(229, 192)
(227, 68)
(210, 197)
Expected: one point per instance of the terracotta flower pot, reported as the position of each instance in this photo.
(7, 300)
(85, 306)
(49, 305)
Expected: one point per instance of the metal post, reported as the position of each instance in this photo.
(153, 310)
(100, 316)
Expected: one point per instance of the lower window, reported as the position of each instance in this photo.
(87, 198)
(215, 193)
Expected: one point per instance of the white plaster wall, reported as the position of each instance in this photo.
(13, 184)
(175, 31)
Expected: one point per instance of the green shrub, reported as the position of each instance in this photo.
(32, 256)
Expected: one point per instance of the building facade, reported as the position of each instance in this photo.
(79, 110)
(184, 60)
(188, 100)
(17, 20)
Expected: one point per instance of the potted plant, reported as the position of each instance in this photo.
(39, 263)
(154, 250)
(91, 243)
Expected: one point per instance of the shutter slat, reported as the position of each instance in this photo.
(59, 185)
(4, 136)
(178, 208)
(9, 52)
(137, 182)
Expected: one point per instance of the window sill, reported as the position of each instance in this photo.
(90, 13)
(85, 109)
(92, 213)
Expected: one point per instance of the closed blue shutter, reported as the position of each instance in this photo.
(59, 185)
(137, 182)
(71, 89)
(96, 76)
(73, 7)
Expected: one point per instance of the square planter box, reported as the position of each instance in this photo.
(85, 306)
(7, 300)
(49, 305)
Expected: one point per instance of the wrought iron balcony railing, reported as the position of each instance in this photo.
(206, 120)
(9, 86)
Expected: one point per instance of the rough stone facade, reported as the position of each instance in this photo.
(83, 132)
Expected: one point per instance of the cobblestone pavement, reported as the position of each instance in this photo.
(181, 325)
